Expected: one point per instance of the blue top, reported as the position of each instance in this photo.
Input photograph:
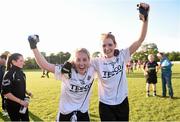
(165, 65)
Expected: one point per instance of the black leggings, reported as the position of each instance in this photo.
(80, 116)
(14, 114)
(118, 112)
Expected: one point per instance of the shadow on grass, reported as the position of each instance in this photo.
(140, 75)
(5, 118)
(31, 115)
(167, 97)
(34, 117)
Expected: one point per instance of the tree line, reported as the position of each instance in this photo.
(53, 58)
(141, 54)
(151, 48)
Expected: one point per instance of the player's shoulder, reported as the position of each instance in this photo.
(9, 74)
(91, 68)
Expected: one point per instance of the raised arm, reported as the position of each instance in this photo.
(143, 9)
(40, 60)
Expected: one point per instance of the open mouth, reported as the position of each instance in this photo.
(108, 51)
(81, 68)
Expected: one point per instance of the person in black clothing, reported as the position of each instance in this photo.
(45, 73)
(14, 88)
(150, 71)
(3, 59)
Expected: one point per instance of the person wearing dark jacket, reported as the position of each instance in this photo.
(3, 59)
(14, 88)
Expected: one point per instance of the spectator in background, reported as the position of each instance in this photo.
(150, 72)
(166, 74)
(45, 74)
(129, 67)
(134, 64)
(139, 63)
(3, 59)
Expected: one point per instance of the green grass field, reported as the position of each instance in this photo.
(44, 104)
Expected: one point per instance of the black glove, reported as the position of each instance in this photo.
(33, 40)
(116, 52)
(143, 11)
(66, 69)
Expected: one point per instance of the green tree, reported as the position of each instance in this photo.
(58, 58)
(96, 54)
(30, 63)
(145, 50)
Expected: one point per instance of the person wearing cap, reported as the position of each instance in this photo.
(166, 74)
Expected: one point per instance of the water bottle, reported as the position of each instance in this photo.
(73, 117)
(23, 109)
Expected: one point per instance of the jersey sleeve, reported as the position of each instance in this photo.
(125, 55)
(58, 72)
(6, 84)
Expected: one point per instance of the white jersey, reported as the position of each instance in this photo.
(111, 72)
(75, 92)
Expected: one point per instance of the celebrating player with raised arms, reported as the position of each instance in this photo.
(113, 89)
(76, 87)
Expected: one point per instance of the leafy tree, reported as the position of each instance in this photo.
(58, 58)
(173, 56)
(96, 54)
(30, 63)
(145, 50)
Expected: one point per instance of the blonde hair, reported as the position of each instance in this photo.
(80, 50)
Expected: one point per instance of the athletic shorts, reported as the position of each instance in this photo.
(80, 116)
(118, 112)
(151, 79)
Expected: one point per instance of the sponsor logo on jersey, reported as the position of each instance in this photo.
(115, 71)
(84, 88)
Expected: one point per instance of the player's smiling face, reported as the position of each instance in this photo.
(108, 47)
(81, 62)
(19, 62)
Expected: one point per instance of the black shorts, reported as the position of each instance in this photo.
(118, 112)
(151, 78)
(80, 116)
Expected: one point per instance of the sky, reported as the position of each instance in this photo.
(64, 25)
